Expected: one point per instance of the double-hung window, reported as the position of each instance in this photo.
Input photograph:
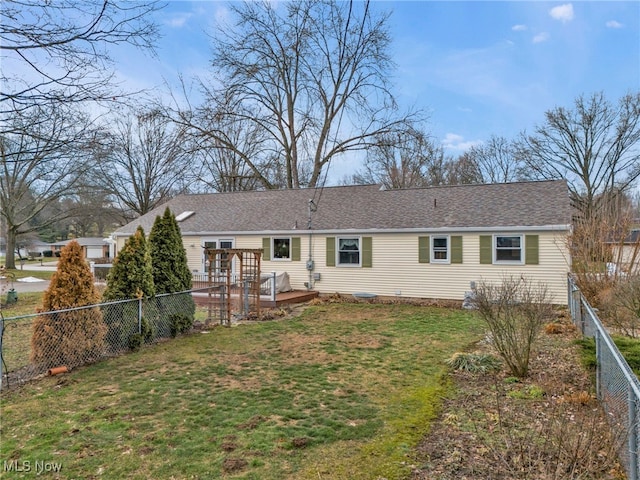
(281, 248)
(440, 249)
(348, 251)
(508, 248)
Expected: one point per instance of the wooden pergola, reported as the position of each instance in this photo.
(234, 279)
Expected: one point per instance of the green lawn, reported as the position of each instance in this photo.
(344, 391)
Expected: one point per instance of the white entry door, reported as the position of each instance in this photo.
(222, 266)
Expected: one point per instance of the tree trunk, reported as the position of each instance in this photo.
(10, 261)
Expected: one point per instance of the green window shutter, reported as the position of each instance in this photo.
(486, 246)
(456, 249)
(423, 249)
(266, 246)
(295, 249)
(367, 251)
(331, 251)
(531, 245)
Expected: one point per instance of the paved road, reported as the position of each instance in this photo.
(23, 287)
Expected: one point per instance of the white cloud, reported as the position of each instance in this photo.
(179, 20)
(541, 37)
(519, 28)
(453, 141)
(614, 24)
(564, 13)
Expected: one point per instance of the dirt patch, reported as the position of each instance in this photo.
(547, 426)
(300, 442)
(252, 423)
(234, 465)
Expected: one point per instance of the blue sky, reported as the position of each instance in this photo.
(479, 68)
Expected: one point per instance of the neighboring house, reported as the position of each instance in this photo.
(36, 248)
(422, 242)
(626, 253)
(93, 248)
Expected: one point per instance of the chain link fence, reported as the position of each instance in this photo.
(617, 387)
(49, 342)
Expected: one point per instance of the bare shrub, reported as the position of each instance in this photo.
(515, 312)
(620, 306)
(572, 441)
(603, 248)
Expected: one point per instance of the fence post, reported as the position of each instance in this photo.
(140, 316)
(273, 286)
(598, 366)
(246, 296)
(570, 298)
(633, 435)
(1, 351)
(223, 304)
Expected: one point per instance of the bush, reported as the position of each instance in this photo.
(619, 305)
(474, 362)
(131, 275)
(72, 337)
(180, 323)
(168, 257)
(135, 342)
(145, 336)
(515, 312)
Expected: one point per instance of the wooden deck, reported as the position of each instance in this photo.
(284, 298)
(294, 296)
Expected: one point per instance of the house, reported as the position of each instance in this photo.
(422, 242)
(626, 253)
(93, 248)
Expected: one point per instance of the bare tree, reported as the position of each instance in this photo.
(56, 51)
(402, 160)
(412, 160)
(463, 171)
(143, 161)
(595, 146)
(219, 167)
(95, 214)
(496, 161)
(41, 161)
(312, 77)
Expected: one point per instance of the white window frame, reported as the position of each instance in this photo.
(273, 249)
(447, 249)
(508, 262)
(218, 241)
(348, 265)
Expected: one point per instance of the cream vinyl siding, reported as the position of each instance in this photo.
(193, 247)
(295, 268)
(395, 270)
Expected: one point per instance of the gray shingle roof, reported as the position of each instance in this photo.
(367, 207)
(84, 242)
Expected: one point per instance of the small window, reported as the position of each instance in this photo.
(348, 251)
(440, 249)
(281, 249)
(508, 248)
